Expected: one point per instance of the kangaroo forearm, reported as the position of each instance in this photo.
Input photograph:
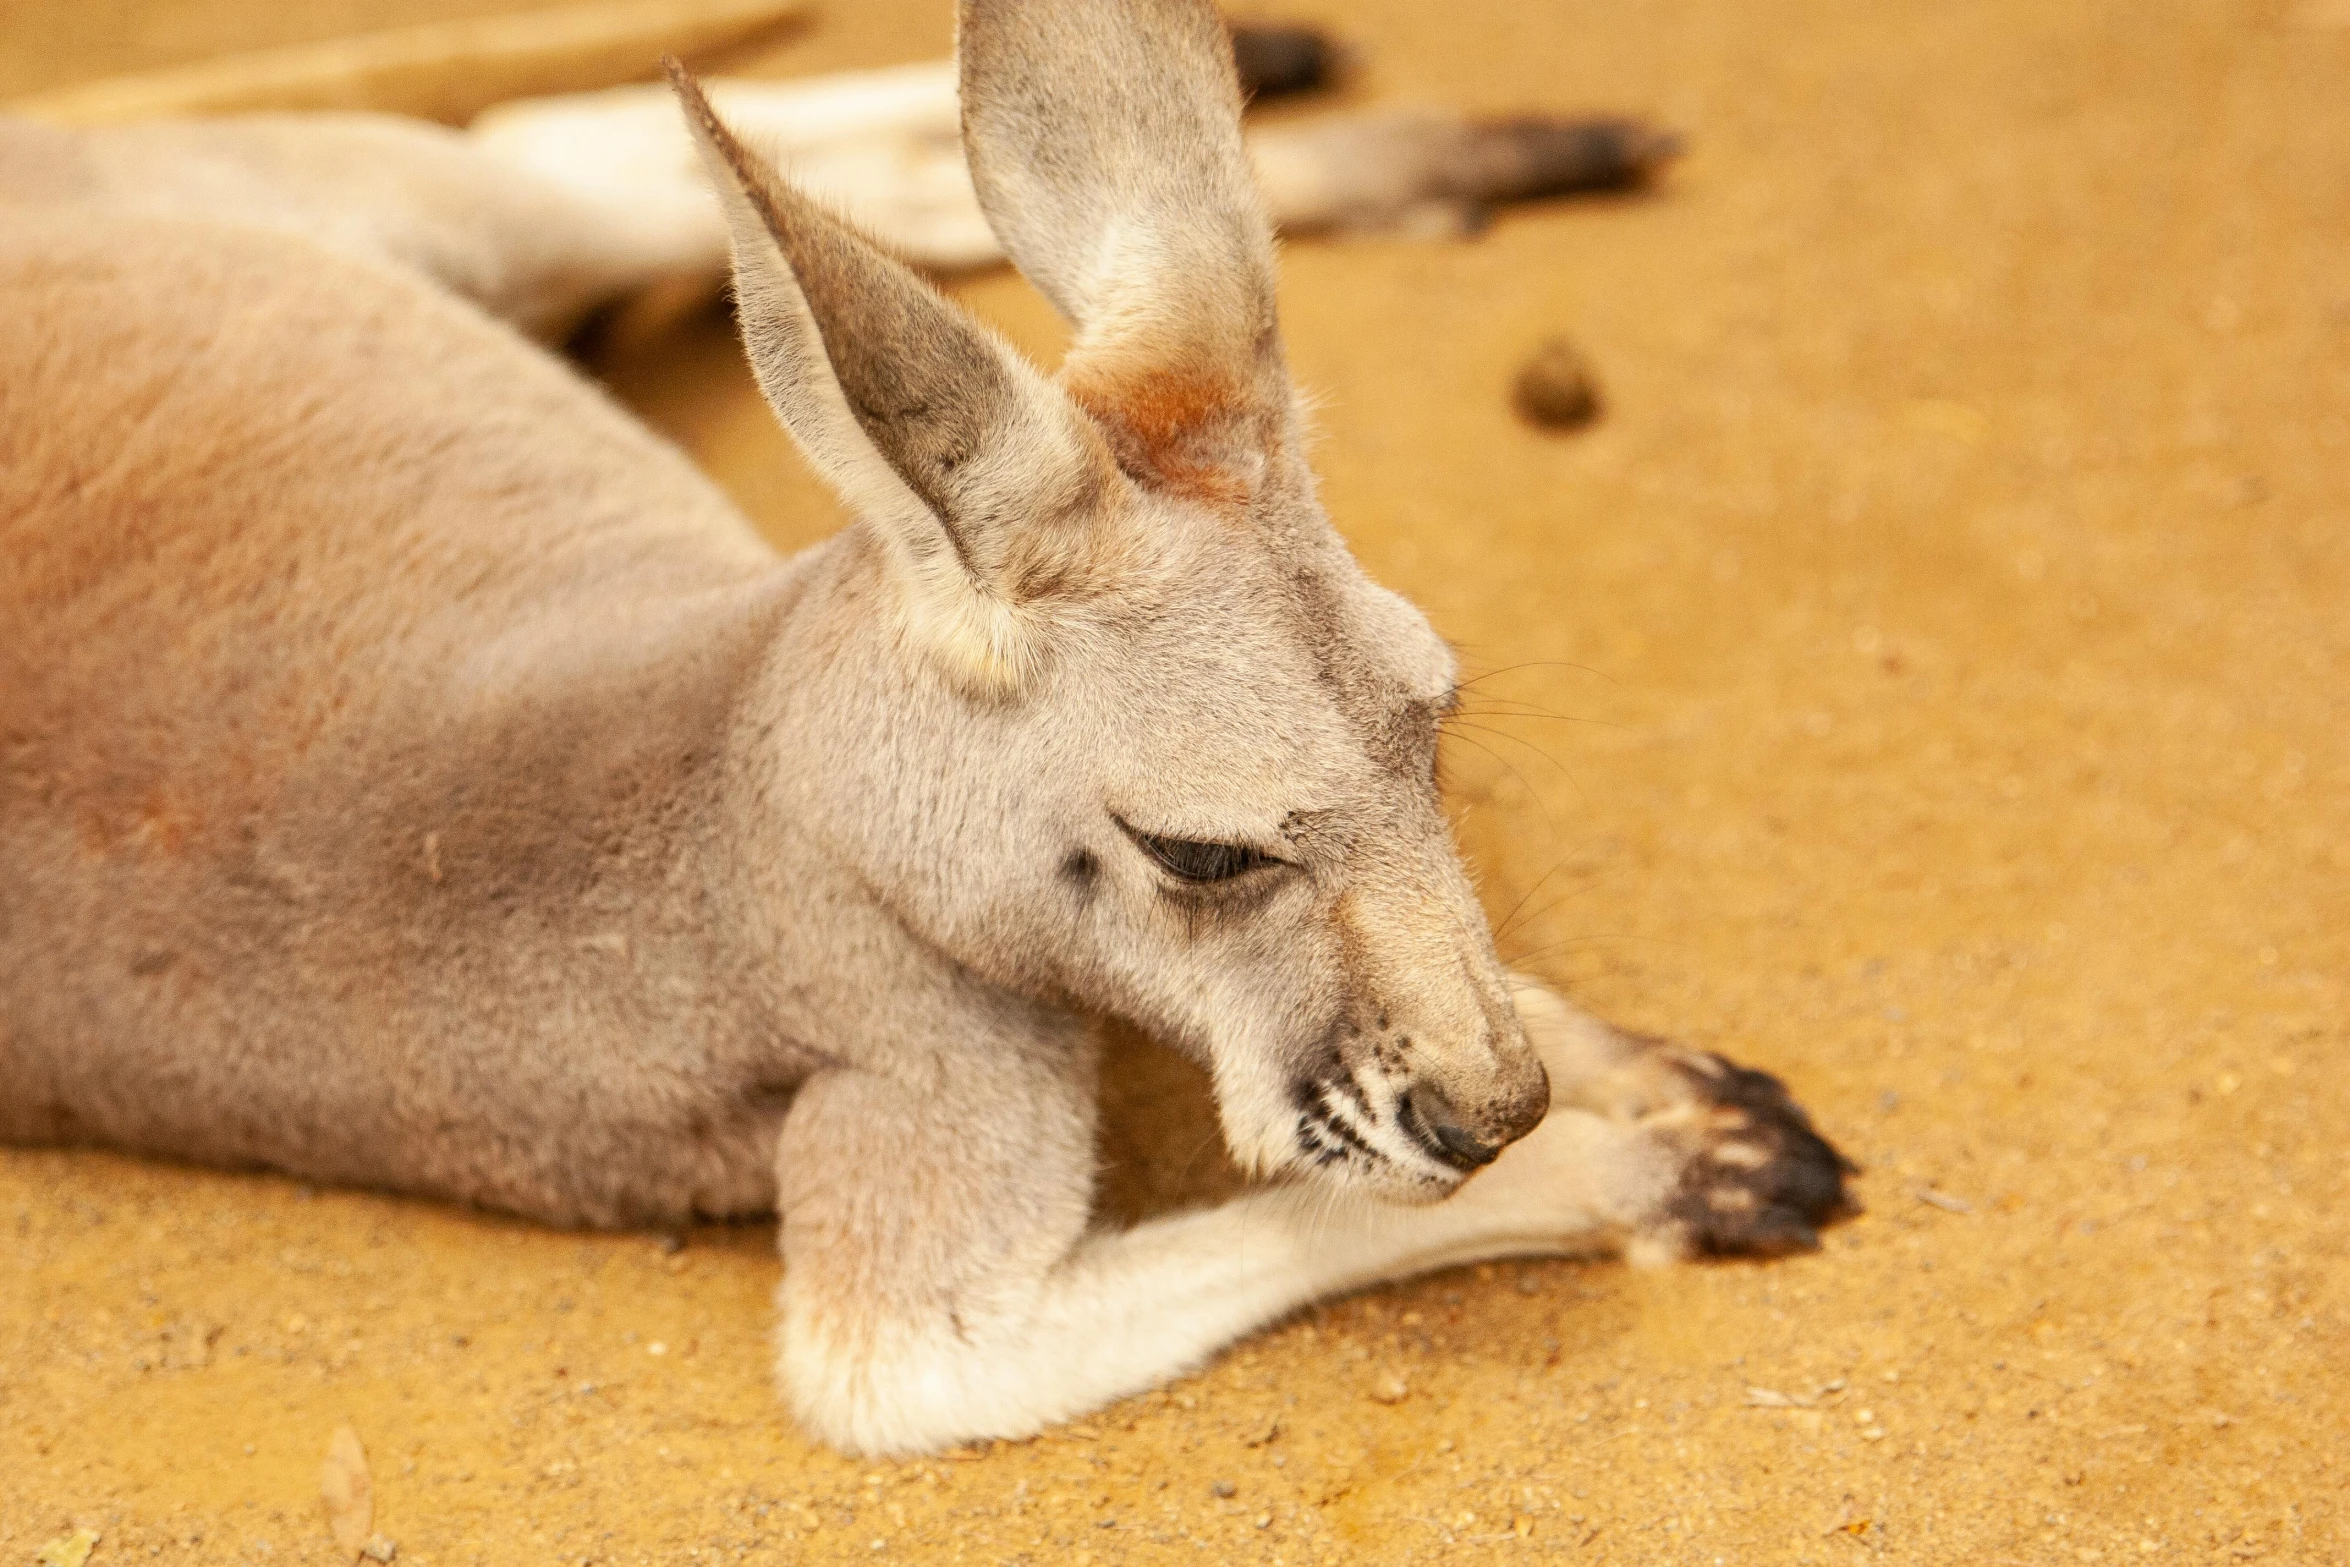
(1126, 1311)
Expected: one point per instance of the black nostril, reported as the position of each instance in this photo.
(1430, 1119)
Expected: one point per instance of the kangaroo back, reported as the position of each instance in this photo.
(313, 719)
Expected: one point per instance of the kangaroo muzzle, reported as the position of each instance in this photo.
(1469, 1134)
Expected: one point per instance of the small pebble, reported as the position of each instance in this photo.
(1222, 1488)
(69, 1550)
(1555, 388)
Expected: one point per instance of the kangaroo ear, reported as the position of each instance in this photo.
(999, 494)
(1104, 137)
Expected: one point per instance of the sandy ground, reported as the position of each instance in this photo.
(1956, 593)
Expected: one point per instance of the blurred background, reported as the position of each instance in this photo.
(1925, 679)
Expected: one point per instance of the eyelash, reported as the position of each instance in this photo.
(1188, 859)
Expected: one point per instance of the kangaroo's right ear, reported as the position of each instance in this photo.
(998, 492)
(1104, 137)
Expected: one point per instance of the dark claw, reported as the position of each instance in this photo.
(1775, 1233)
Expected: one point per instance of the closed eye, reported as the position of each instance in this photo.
(1198, 860)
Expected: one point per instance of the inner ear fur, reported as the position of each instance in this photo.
(1104, 139)
(999, 493)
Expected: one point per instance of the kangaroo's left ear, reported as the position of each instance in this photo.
(1104, 137)
(999, 495)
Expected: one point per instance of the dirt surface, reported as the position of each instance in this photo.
(1953, 610)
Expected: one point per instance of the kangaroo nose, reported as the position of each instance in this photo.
(1437, 1127)
(1527, 1103)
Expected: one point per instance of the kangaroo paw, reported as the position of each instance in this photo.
(1736, 1167)
(1755, 1178)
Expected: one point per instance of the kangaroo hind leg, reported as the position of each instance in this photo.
(529, 249)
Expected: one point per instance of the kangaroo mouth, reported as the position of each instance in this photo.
(1440, 1139)
(1341, 1128)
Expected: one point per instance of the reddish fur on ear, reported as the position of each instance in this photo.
(1188, 427)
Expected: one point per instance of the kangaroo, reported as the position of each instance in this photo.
(414, 774)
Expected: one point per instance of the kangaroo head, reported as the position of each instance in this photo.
(1154, 743)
